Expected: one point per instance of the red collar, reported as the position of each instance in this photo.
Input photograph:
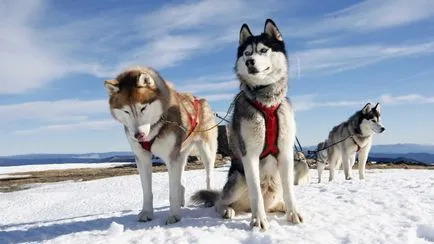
(271, 128)
(193, 122)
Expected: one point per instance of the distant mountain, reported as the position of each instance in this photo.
(75, 156)
(34, 159)
(403, 148)
(387, 153)
(403, 152)
(414, 158)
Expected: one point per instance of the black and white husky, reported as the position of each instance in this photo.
(262, 134)
(348, 138)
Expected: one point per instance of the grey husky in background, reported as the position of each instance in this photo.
(261, 176)
(321, 158)
(356, 134)
(301, 169)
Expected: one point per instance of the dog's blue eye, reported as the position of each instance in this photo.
(263, 50)
(247, 53)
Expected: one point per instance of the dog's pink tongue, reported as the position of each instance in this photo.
(143, 133)
(140, 137)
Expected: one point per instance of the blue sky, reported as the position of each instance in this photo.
(55, 56)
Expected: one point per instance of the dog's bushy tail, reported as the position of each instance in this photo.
(207, 197)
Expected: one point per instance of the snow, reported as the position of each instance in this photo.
(390, 206)
(41, 167)
(4, 177)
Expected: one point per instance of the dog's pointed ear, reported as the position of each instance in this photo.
(367, 108)
(271, 29)
(145, 80)
(112, 86)
(244, 33)
(377, 108)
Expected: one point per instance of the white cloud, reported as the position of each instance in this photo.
(406, 99)
(27, 62)
(338, 59)
(33, 54)
(80, 126)
(308, 102)
(220, 97)
(210, 83)
(368, 16)
(54, 110)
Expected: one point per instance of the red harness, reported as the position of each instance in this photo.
(357, 144)
(193, 122)
(271, 128)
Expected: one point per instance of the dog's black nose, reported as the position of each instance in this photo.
(250, 62)
(383, 129)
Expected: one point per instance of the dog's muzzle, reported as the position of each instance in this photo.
(140, 137)
(250, 64)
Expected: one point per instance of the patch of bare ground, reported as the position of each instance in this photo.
(16, 182)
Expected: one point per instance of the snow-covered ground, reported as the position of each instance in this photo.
(391, 206)
(41, 167)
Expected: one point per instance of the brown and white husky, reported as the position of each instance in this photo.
(160, 121)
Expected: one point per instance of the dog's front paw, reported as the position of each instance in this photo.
(294, 217)
(260, 223)
(145, 216)
(348, 178)
(173, 219)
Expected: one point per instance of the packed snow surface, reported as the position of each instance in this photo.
(390, 206)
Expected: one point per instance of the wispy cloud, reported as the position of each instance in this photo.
(34, 54)
(407, 99)
(80, 126)
(367, 16)
(27, 61)
(338, 59)
(310, 101)
(210, 83)
(220, 97)
(54, 110)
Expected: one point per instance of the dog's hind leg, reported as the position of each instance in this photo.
(207, 151)
(232, 193)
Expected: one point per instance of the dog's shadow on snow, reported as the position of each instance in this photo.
(192, 216)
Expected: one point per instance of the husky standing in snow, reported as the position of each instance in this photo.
(160, 121)
(301, 169)
(350, 137)
(262, 132)
(321, 158)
